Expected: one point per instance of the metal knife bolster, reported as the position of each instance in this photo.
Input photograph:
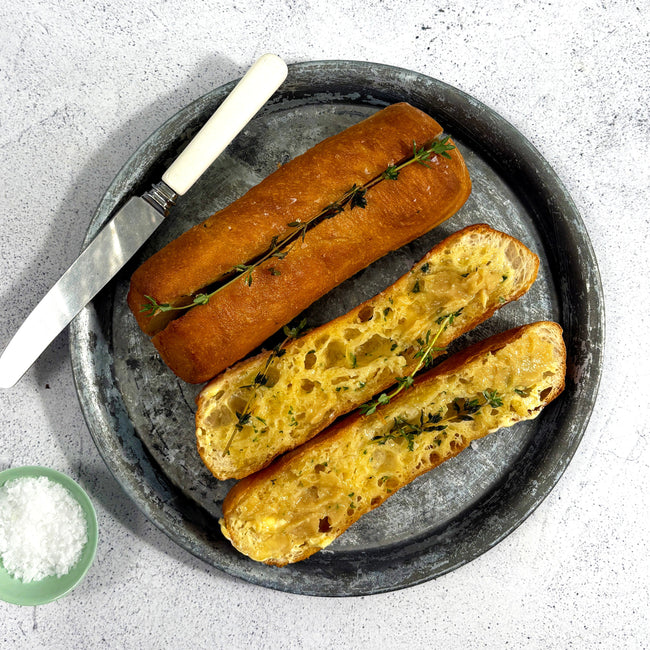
(162, 197)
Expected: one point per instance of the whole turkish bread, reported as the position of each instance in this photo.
(207, 338)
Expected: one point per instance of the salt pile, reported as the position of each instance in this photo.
(42, 528)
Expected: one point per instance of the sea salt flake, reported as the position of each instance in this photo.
(42, 528)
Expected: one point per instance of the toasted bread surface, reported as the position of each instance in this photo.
(338, 366)
(307, 498)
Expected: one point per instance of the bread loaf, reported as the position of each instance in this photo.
(338, 366)
(303, 501)
(207, 338)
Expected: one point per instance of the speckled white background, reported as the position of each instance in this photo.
(83, 83)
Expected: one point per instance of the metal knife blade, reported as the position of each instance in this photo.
(134, 223)
(115, 244)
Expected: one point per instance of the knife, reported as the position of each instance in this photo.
(134, 223)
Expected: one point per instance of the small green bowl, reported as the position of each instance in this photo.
(49, 589)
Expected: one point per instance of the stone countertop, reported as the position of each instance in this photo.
(85, 83)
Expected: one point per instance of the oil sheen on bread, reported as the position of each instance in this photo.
(307, 498)
(207, 338)
(334, 368)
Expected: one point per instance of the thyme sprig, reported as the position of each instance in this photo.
(463, 410)
(279, 247)
(421, 155)
(402, 428)
(236, 272)
(152, 305)
(425, 356)
(245, 417)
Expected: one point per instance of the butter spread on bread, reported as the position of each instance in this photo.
(338, 366)
(303, 501)
(208, 338)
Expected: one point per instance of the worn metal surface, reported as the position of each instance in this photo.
(141, 416)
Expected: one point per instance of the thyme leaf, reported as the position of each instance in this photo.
(201, 299)
(391, 173)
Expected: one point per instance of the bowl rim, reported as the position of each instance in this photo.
(88, 553)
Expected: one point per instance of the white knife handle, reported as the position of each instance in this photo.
(248, 96)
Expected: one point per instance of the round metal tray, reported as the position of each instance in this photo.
(142, 417)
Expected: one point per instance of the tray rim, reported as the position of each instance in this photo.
(79, 347)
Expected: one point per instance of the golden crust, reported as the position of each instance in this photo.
(208, 338)
(242, 230)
